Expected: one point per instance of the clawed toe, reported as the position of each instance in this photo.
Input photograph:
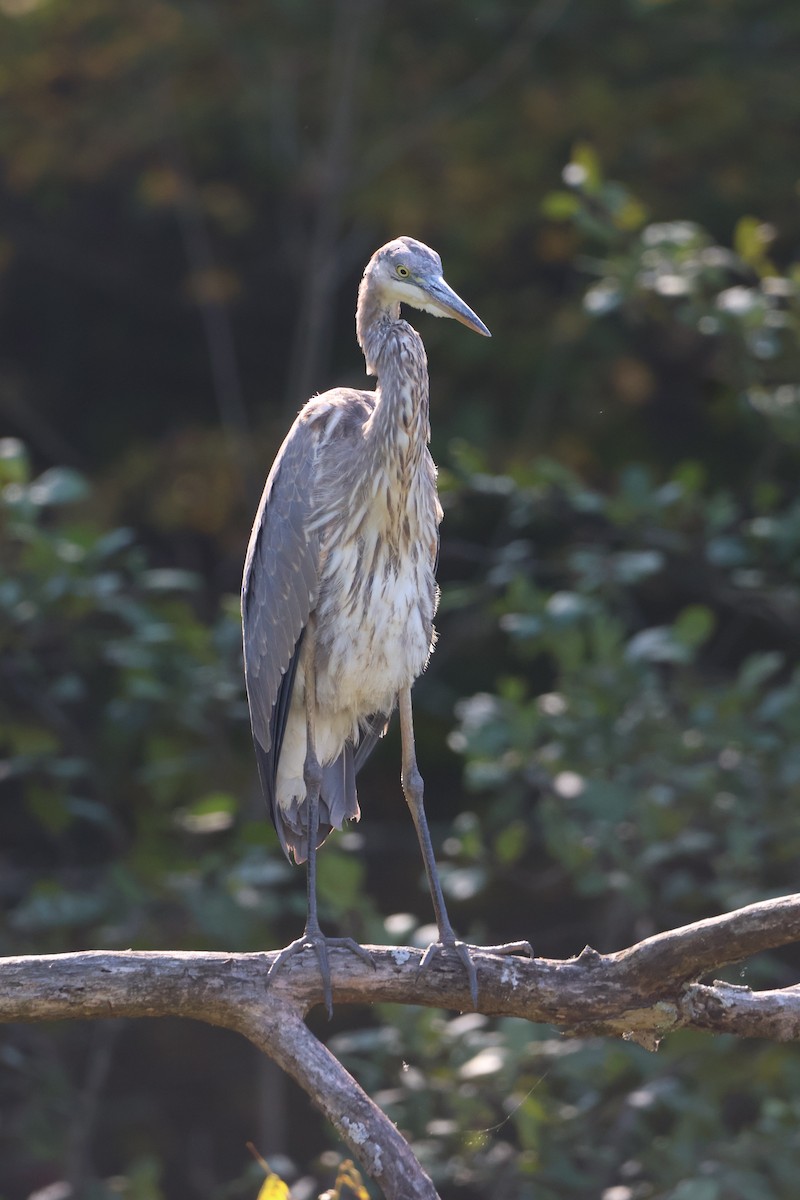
(353, 946)
(464, 952)
(317, 941)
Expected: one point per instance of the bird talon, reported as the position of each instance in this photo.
(320, 944)
(463, 952)
(358, 950)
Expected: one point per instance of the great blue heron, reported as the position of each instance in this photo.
(339, 591)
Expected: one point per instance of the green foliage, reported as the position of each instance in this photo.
(657, 769)
(123, 723)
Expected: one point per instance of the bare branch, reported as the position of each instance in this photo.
(373, 1138)
(727, 1008)
(687, 952)
(641, 993)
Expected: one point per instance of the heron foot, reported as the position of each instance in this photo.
(464, 952)
(316, 940)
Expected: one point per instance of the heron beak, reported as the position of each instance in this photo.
(444, 302)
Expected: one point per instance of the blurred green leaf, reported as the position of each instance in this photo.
(694, 625)
(14, 462)
(559, 206)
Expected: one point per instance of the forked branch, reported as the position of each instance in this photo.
(642, 993)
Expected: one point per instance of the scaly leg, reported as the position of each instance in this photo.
(413, 792)
(313, 937)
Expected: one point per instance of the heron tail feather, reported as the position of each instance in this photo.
(338, 803)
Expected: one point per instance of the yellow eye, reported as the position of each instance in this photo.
(403, 272)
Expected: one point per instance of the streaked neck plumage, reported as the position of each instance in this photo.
(399, 428)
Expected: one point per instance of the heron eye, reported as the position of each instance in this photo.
(403, 272)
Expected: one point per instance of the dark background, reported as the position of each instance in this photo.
(189, 192)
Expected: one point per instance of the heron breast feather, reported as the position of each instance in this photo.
(374, 624)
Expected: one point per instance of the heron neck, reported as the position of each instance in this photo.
(374, 318)
(399, 428)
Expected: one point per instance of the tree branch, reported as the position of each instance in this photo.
(641, 993)
(384, 1153)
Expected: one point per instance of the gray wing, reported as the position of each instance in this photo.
(279, 590)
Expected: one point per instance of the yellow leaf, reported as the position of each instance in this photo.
(349, 1177)
(273, 1188)
(751, 239)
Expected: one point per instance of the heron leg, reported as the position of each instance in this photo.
(313, 937)
(413, 790)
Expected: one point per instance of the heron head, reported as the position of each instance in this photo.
(406, 271)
